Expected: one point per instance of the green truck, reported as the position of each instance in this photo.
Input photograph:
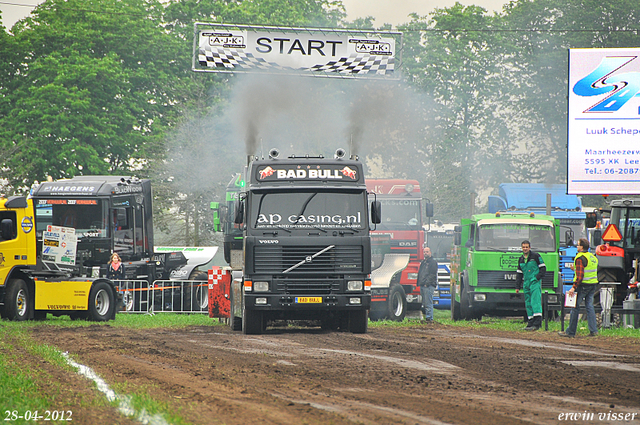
(485, 259)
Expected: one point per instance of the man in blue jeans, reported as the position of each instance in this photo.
(585, 284)
(427, 281)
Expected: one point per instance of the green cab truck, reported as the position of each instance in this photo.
(485, 259)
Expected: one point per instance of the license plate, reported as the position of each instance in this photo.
(308, 300)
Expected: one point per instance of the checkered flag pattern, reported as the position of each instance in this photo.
(359, 64)
(217, 274)
(230, 59)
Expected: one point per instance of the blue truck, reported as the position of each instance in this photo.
(566, 208)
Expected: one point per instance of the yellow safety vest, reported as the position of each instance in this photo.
(591, 270)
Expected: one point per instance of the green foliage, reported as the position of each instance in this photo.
(105, 87)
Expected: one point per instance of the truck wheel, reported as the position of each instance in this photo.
(455, 305)
(101, 302)
(16, 305)
(234, 322)
(397, 308)
(252, 322)
(376, 315)
(201, 291)
(358, 321)
(465, 309)
(128, 301)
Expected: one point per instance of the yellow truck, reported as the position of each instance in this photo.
(30, 286)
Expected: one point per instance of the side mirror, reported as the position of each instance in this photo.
(428, 209)
(568, 238)
(591, 220)
(457, 238)
(597, 237)
(215, 206)
(376, 212)
(239, 216)
(6, 229)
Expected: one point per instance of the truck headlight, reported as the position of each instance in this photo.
(479, 297)
(354, 285)
(261, 286)
(553, 299)
(261, 301)
(436, 293)
(412, 276)
(355, 301)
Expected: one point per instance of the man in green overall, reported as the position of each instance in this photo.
(531, 270)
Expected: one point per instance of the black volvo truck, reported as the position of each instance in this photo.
(306, 245)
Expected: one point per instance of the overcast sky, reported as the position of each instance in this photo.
(384, 11)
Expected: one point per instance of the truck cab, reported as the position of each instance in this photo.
(485, 260)
(568, 209)
(306, 244)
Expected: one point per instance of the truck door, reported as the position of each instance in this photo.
(123, 231)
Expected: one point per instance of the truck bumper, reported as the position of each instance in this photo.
(442, 303)
(279, 302)
(502, 303)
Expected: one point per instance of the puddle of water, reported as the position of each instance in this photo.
(348, 406)
(536, 344)
(608, 365)
(428, 365)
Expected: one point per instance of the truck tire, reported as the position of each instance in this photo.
(455, 305)
(397, 304)
(252, 322)
(101, 302)
(358, 321)
(17, 303)
(376, 315)
(466, 312)
(234, 322)
(200, 292)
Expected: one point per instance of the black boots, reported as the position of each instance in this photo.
(534, 324)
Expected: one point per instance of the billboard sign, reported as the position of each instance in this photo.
(604, 121)
(302, 51)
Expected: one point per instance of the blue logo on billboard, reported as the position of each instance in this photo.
(27, 224)
(619, 88)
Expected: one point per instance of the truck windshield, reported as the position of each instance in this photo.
(85, 215)
(400, 214)
(308, 209)
(509, 236)
(628, 222)
(440, 244)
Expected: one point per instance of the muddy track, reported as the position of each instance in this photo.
(425, 374)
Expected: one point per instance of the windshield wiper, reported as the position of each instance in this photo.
(273, 232)
(319, 228)
(304, 207)
(309, 258)
(344, 230)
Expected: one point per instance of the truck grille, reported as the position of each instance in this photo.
(507, 280)
(308, 286)
(339, 259)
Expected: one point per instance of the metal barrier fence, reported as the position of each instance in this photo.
(177, 296)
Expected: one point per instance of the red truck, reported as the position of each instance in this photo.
(396, 248)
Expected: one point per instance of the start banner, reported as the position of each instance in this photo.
(302, 51)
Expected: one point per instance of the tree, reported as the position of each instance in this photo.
(96, 86)
(451, 57)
